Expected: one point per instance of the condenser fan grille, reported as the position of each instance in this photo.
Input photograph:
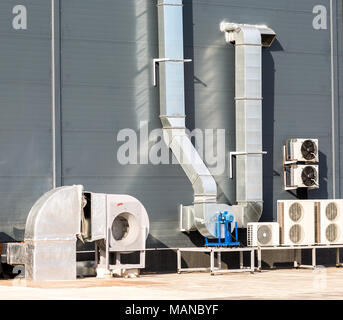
(295, 212)
(309, 176)
(331, 232)
(308, 149)
(295, 233)
(264, 235)
(331, 211)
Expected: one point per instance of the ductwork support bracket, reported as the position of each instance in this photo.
(157, 61)
(235, 153)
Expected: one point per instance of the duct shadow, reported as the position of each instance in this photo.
(157, 260)
(190, 79)
(4, 237)
(268, 128)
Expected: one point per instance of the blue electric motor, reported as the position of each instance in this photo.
(226, 219)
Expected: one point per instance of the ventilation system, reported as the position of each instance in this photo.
(118, 224)
(297, 222)
(303, 150)
(329, 222)
(304, 176)
(249, 122)
(262, 234)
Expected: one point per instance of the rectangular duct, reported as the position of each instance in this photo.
(248, 41)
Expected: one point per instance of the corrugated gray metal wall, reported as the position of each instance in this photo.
(104, 71)
(25, 121)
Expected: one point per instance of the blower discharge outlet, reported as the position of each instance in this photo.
(224, 219)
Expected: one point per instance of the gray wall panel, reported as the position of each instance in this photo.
(25, 124)
(340, 86)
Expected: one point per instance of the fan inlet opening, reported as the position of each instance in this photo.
(120, 227)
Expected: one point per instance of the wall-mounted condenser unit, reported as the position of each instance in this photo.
(303, 150)
(297, 222)
(263, 234)
(329, 221)
(304, 176)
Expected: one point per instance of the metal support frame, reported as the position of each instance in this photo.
(236, 153)
(297, 254)
(158, 60)
(218, 251)
(118, 264)
(286, 163)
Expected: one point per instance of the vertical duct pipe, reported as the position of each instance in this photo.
(172, 114)
(248, 41)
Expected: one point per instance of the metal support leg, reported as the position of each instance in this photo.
(108, 250)
(297, 258)
(313, 257)
(219, 257)
(118, 259)
(96, 253)
(259, 259)
(178, 252)
(241, 264)
(212, 262)
(142, 259)
(252, 260)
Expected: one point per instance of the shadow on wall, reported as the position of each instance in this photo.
(4, 237)
(157, 260)
(268, 93)
(190, 79)
(322, 192)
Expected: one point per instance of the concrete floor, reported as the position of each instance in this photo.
(272, 284)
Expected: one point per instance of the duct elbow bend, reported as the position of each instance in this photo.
(56, 215)
(248, 34)
(249, 211)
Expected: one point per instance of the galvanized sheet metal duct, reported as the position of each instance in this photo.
(172, 114)
(248, 40)
(49, 249)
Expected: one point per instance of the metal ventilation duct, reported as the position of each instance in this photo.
(248, 41)
(172, 114)
(49, 249)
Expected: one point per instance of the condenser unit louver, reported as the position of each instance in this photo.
(304, 150)
(329, 221)
(263, 234)
(305, 176)
(297, 222)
